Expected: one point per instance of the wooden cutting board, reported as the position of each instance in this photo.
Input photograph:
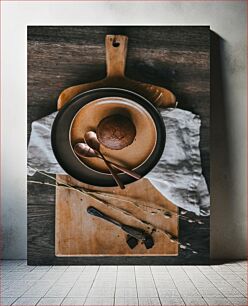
(79, 234)
(116, 53)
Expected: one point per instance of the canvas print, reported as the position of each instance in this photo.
(118, 144)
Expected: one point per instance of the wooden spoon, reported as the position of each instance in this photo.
(92, 142)
(83, 150)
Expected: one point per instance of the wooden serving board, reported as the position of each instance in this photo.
(79, 234)
(116, 53)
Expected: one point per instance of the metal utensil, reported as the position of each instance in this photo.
(83, 150)
(132, 231)
(92, 141)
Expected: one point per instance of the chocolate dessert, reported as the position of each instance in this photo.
(116, 132)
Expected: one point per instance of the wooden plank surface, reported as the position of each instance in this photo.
(58, 57)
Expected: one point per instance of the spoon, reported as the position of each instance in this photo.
(83, 150)
(93, 143)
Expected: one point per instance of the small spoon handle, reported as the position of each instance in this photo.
(125, 170)
(113, 172)
(83, 150)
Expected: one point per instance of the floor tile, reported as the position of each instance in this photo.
(42, 268)
(126, 292)
(99, 301)
(73, 301)
(189, 292)
(58, 291)
(39, 289)
(27, 301)
(166, 301)
(58, 268)
(157, 268)
(145, 283)
(99, 284)
(126, 275)
(85, 279)
(125, 283)
(79, 291)
(121, 301)
(230, 276)
(13, 292)
(106, 275)
(221, 285)
(7, 300)
(23, 268)
(194, 301)
(71, 274)
(238, 283)
(122, 275)
(108, 269)
(165, 292)
(162, 276)
(242, 290)
(50, 301)
(217, 301)
(51, 275)
(19, 286)
(125, 269)
(243, 276)
(12, 262)
(75, 269)
(15, 275)
(145, 275)
(165, 284)
(102, 292)
(33, 276)
(209, 292)
(147, 292)
(229, 291)
(235, 267)
(64, 282)
(239, 301)
(91, 269)
(149, 302)
(142, 269)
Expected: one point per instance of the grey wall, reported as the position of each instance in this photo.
(228, 109)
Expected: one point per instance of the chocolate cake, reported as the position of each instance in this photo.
(116, 132)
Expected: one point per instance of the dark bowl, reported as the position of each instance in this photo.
(63, 151)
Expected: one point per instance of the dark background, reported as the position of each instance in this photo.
(177, 58)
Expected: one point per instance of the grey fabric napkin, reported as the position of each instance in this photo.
(178, 174)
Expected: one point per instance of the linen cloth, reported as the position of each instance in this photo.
(178, 174)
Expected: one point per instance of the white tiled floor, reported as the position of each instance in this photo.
(123, 285)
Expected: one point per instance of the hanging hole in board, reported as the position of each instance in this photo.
(115, 44)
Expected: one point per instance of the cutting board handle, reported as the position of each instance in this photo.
(116, 53)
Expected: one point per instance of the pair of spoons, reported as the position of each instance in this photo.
(92, 149)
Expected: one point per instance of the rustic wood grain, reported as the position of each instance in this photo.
(80, 234)
(58, 57)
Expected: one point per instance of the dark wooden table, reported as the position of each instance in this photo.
(177, 58)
